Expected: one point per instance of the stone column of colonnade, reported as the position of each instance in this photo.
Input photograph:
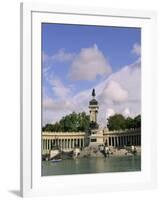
(63, 143)
(122, 140)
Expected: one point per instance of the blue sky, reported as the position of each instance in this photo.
(77, 58)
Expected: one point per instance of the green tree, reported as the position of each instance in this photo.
(130, 123)
(116, 122)
(48, 128)
(137, 121)
(70, 123)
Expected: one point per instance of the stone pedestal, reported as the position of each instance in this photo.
(96, 138)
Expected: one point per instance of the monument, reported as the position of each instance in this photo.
(96, 134)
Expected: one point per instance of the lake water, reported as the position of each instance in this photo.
(92, 165)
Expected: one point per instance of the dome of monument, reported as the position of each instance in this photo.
(93, 102)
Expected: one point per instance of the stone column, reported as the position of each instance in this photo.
(112, 138)
(73, 142)
(113, 141)
(62, 143)
(79, 142)
(107, 141)
(118, 141)
(51, 143)
(121, 142)
(68, 143)
(42, 144)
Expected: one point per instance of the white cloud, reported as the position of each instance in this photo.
(129, 78)
(57, 105)
(44, 56)
(110, 112)
(62, 56)
(126, 112)
(59, 88)
(115, 92)
(54, 110)
(89, 63)
(136, 49)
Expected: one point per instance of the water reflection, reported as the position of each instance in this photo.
(92, 165)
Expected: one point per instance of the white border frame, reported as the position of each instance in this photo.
(32, 184)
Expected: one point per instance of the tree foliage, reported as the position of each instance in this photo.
(70, 123)
(119, 122)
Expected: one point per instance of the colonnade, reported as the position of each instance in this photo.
(62, 143)
(122, 140)
(67, 141)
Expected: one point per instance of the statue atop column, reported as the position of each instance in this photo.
(93, 93)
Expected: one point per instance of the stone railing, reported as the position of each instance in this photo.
(62, 133)
(128, 131)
